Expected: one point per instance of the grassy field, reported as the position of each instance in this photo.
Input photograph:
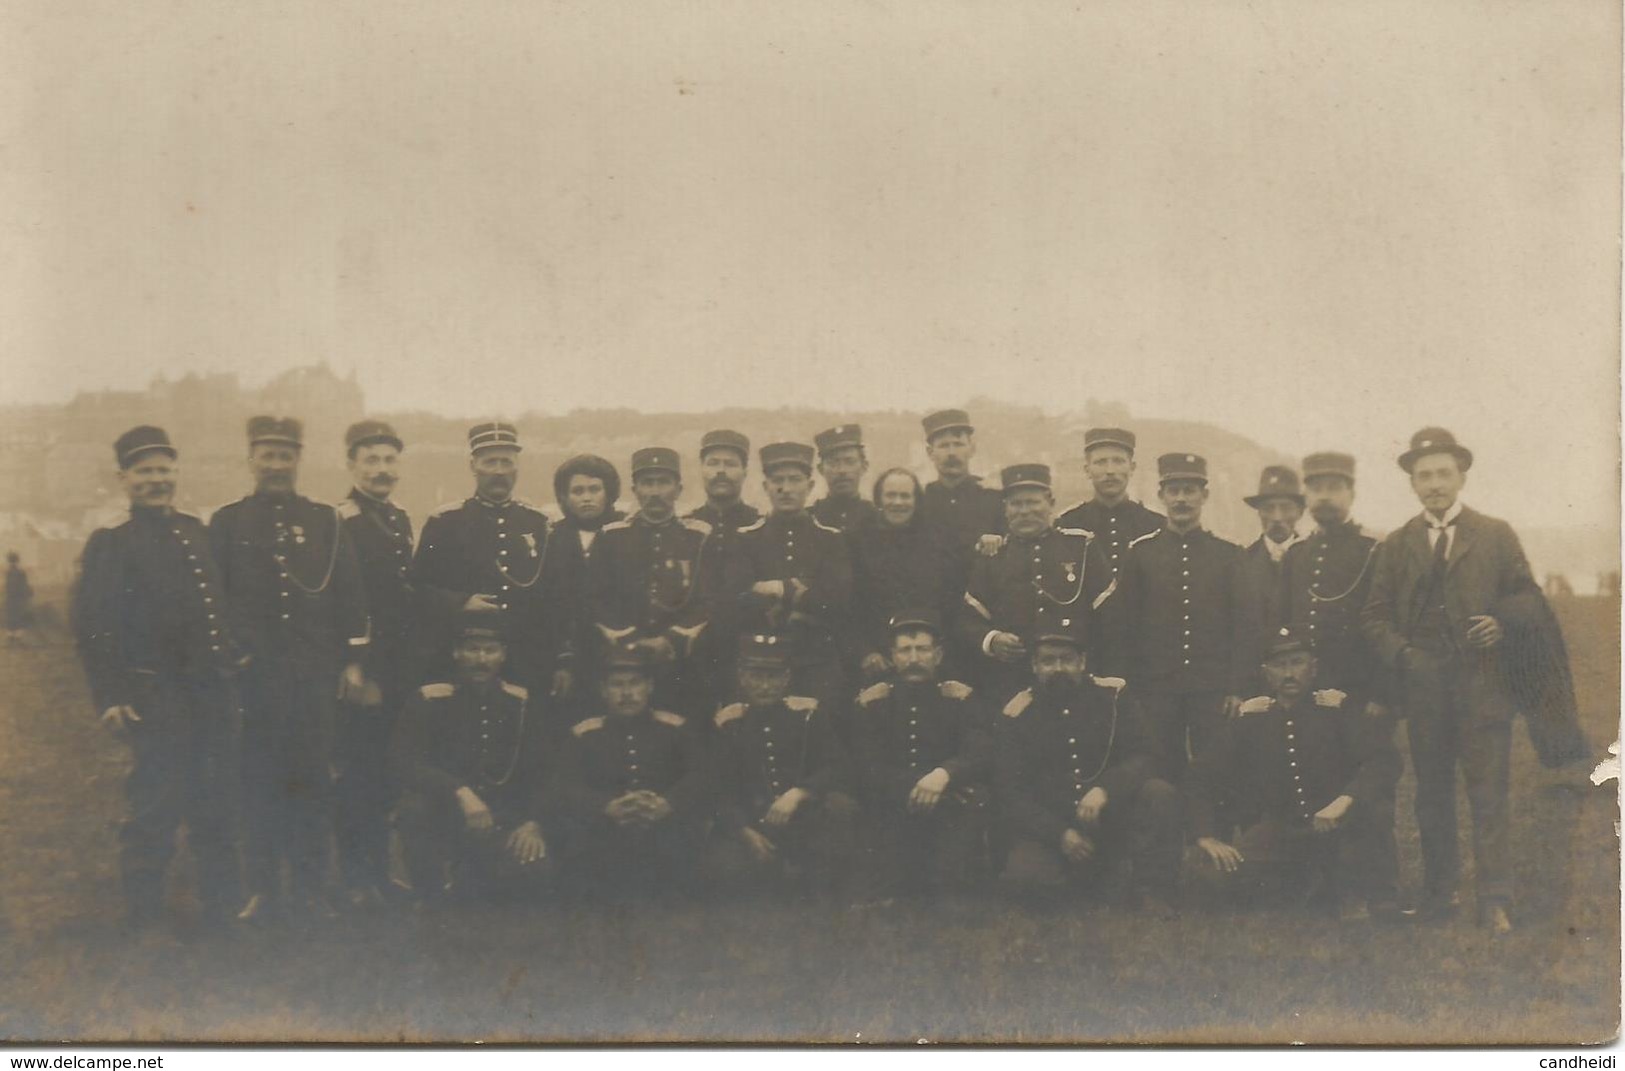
(776, 973)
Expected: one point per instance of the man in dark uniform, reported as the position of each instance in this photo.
(959, 511)
(781, 777)
(1449, 590)
(923, 754)
(653, 580)
(1327, 578)
(469, 755)
(842, 463)
(1115, 519)
(1309, 781)
(789, 573)
(1074, 773)
(1279, 503)
(148, 614)
(632, 784)
(295, 597)
(724, 461)
(1191, 619)
(587, 489)
(487, 554)
(1039, 567)
(381, 533)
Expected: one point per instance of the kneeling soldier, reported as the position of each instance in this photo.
(1309, 780)
(1073, 777)
(924, 753)
(468, 755)
(631, 786)
(782, 806)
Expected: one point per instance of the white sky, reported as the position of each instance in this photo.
(1318, 223)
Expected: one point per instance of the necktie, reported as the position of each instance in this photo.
(1441, 546)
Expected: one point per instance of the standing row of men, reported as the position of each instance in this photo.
(348, 650)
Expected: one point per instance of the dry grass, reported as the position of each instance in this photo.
(771, 972)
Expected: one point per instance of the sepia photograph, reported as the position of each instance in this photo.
(868, 523)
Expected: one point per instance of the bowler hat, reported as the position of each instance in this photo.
(1276, 481)
(1435, 441)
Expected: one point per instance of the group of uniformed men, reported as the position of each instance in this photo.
(910, 693)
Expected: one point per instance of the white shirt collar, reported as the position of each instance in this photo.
(1277, 551)
(1450, 516)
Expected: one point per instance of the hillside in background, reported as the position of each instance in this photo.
(57, 476)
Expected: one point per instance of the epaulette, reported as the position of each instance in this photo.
(518, 691)
(694, 524)
(448, 507)
(976, 604)
(754, 525)
(873, 693)
(582, 728)
(1116, 684)
(731, 712)
(347, 509)
(438, 690)
(1330, 697)
(801, 704)
(1018, 703)
(666, 717)
(820, 524)
(1258, 704)
(1105, 593)
(614, 525)
(1084, 532)
(1076, 505)
(954, 690)
(1142, 539)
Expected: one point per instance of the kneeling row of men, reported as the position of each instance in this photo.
(905, 791)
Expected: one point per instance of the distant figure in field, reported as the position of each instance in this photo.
(19, 600)
(1558, 586)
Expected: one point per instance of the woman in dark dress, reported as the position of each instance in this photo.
(897, 565)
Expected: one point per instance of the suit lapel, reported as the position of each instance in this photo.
(1467, 530)
(1416, 539)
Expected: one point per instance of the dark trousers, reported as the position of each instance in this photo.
(1458, 714)
(186, 754)
(442, 853)
(1185, 725)
(363, 792)
(815, 852)
(1143, 830)
(941, 850)
(1282, 858)
(287, 751)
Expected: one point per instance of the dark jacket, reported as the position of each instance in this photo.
(647, 580)
(780, 547)
(1051, 748)
(959, 517)
(894, 569)
(904, 731)
(1285, 764)
(1115, 527)
(148, 603)
(1191, 616)
(452, 736)
(845, 514)
(381, 533)
(1326, 580)
(605, 757)
(761, 752)
(292, 583)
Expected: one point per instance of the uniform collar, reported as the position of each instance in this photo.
(488, 504)
(364, 500)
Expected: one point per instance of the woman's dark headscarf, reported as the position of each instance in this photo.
(587, 465)
(919, 493)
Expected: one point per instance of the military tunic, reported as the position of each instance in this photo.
(1114, 526)
(604, 758)
(959, 516)
(1327, 578)
(648, 581)
(295, 598)
(149, 618)
(1052, 747)
(713, 649)
(761, 752)
(1272, 770)
(382, 535)
(845, 513)
(796, 547)
(1060, 572)
(904, 731)
(451, 736)
(1194, 635)
(501, 550)
(894, 570)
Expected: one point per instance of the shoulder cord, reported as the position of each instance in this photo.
(547, 545)
(332, 561)
(1315, 596)
(1111, 738)
(1083, 567)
